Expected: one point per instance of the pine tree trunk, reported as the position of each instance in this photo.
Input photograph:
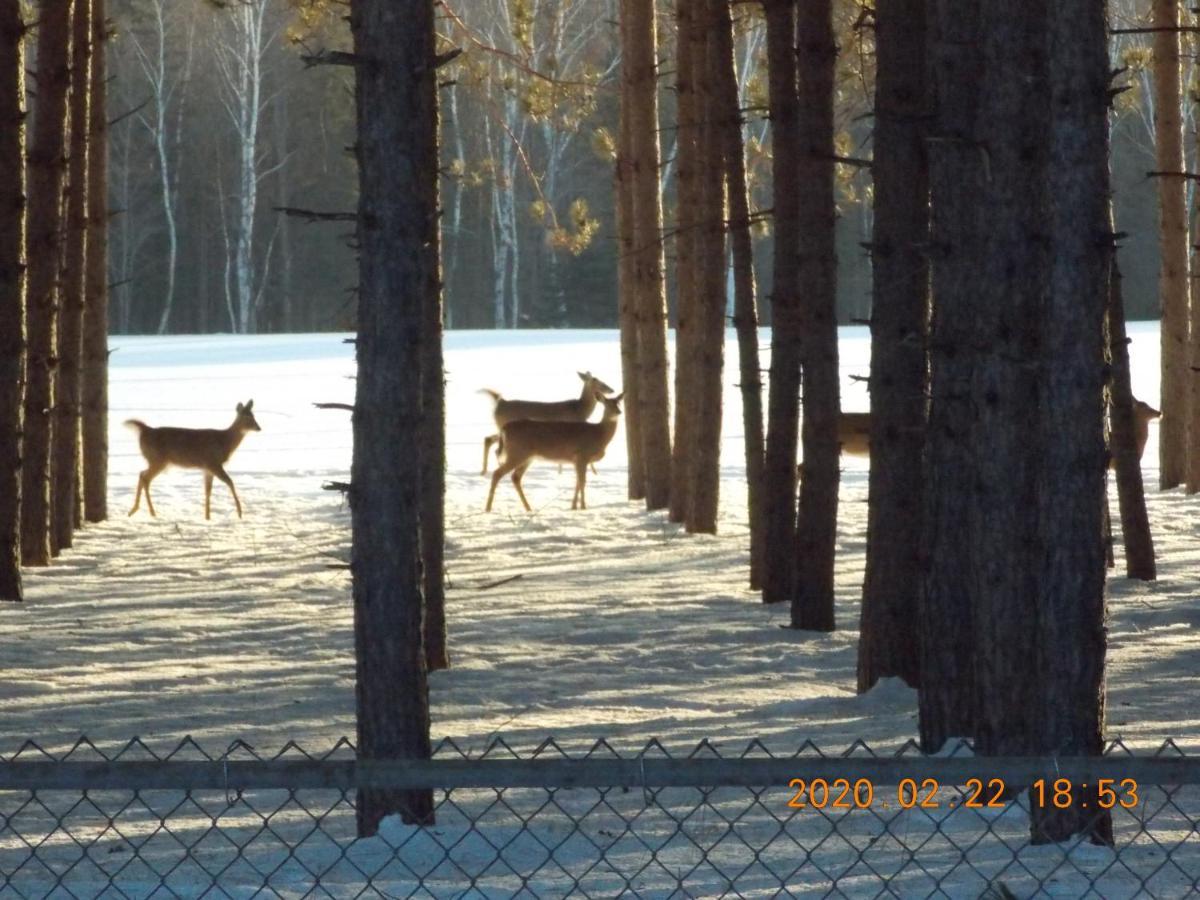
(745, 312)
(889, 642)
(653, 396)
(12, 292)
(1173, 244)
(783, 399)
(1131, 492)
(44, 235)
(95, 314)
(66, 496)
(627, 285)
(816, 530)
(701, 515)
(397, 237)
(957, 171)
(1000, 511)
(433, 466)
(1070, 496)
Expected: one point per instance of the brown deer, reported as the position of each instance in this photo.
(1142, 414)
(580, 443)
(579, 410)
(192, 448)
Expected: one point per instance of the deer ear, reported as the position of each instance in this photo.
(618, 398)
(249, 405)
(584, 376)
(240, 408)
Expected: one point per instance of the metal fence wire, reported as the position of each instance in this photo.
(711, 822)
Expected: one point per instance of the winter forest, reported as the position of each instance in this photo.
(835, 370)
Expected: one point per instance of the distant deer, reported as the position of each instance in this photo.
(579, 410)
(193, 448)
(580, 443)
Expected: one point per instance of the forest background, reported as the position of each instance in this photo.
(220, 121)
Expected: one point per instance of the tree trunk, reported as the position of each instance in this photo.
(12, 292)
(627, 286)
(816, 530)
(889, 643)
(1070, 495)
(957, 172)
(433, 465)
(95, 313)
(66, 497)
(397, 237)
(783, 400)
(1131, 493)
(705, 396)
(1005, 440)
(1173, 244)
(44, 223)
(745, 311)
(653, 397)
(687, 252)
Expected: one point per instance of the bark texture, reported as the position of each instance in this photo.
(641, 60)
(816, 530)
(745, 310)
(1173, 244)
(95, 313)
(1070, 495)
(433, 465)
(397, 235)
(957, 171)
(889, 643)
(66, 497)
(783, 408)
(12, 292)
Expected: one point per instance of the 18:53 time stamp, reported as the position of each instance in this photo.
(993, 793)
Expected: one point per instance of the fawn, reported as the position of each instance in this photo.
(506, 411)
(580, 443)
(193, 448)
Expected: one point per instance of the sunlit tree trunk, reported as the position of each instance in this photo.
(46, 171)
(12, 291)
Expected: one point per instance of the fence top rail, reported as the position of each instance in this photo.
(298, 774)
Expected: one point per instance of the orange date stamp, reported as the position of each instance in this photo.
(992, 793)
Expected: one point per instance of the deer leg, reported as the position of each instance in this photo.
(580, 483)
(208, 480)
(144, 485)
(223, 476)
(518, 474)
(500, 472)
(487, 447)
(137, 497)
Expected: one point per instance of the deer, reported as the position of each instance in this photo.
(505, 411)
(580, 443)
(192, 448)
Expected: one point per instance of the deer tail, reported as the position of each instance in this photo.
(495, 395)
(137, 425)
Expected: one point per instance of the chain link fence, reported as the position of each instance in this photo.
(591, 823)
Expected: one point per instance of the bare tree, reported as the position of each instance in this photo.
(45, 173)
(12, 291)
(396, 100)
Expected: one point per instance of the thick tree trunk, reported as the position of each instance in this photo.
(95, 314)
(705, 396)
(66, 497)
(46, 169)
(1173, 244)
(1070, 495)
(816, 530)
(1131, 494)
(745, 311)
(783, 401)
(1005, 440)
(627, 287)
(397, 236)
(433, 466)
(957, 172)
(889, 643)
(687, 253)
(12, 291)
(640, 55)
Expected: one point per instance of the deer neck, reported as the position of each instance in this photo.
(233, 437)
(587, 400)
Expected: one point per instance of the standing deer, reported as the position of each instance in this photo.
(580, 443)
(506, 411)
(193, 448)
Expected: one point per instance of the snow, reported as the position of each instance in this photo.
(615, 624)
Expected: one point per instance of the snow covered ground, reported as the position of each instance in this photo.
(618, 626)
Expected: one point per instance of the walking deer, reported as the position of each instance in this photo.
(579, 410)
(580, 443)
(192, 448)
